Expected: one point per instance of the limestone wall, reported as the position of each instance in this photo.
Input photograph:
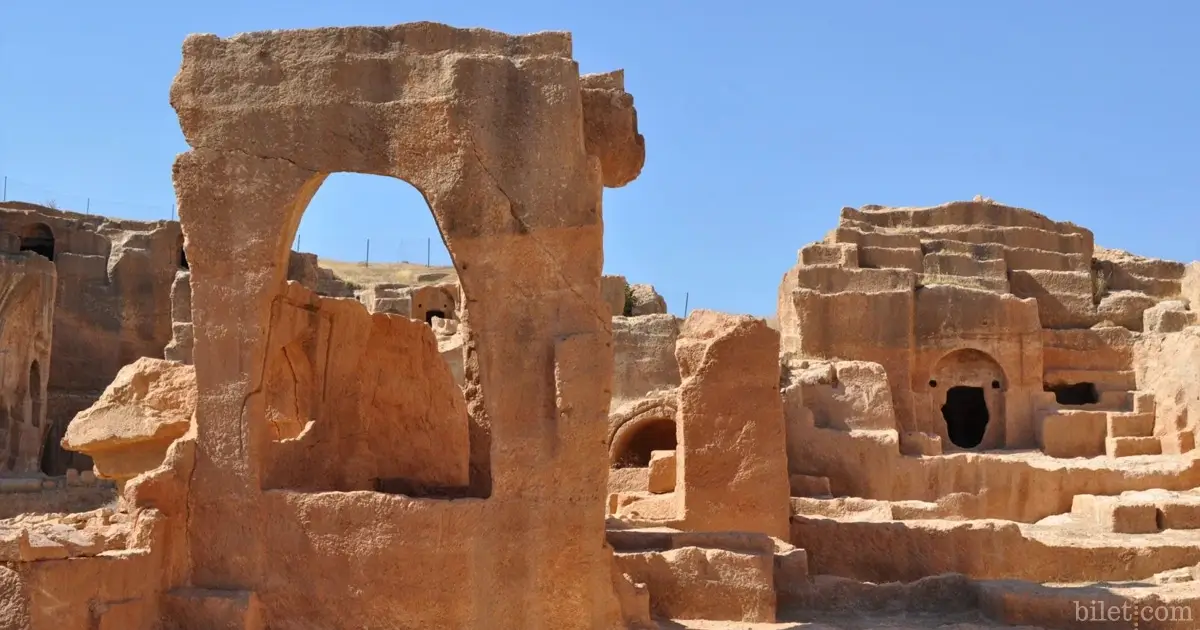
(27, 292)
(643, 356)
(53, 495)
(420, 302)
(360, 401)
(512, 178)
(971, 337)
(1168, 365)
(907, 288)
(113, 304)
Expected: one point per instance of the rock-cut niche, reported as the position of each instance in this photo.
(639, 438)
(39, 239)
(973, 400)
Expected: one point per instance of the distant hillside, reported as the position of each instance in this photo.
(377, 273)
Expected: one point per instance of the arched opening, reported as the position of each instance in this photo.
(966, 416)
(355, 218)
(1075, 393)
(429, 315)
(416, 436)
(971, 396)
(637, 443)
(35, 393)
(39, 239)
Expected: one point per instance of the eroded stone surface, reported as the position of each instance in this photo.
(504, 139)
(147, 407)
(113, 304)
(978, 412)
(732, 461)
(27, 294)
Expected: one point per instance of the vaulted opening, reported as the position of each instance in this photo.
(1075, 393)
(635, 446)
(340, 381)
(966, 415)
(39, 239)
(429, 315)
(973, 394)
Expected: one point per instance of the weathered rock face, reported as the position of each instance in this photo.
(644, 300)
(27, 290)
(642, 410)
(113, 303)
(451, 335)
(732, 461)
(971, 305)
(972, 325)
(610, 127)
(127, 431)
(302, 269)
(180, 347)
(613, 289)
(491, 129)
(1168, 366)
(360, 401)
(643, 356)
(421, 303)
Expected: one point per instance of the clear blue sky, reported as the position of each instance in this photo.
(761, 120)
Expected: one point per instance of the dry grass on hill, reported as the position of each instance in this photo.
(377, 273)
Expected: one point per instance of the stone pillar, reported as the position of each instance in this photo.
(180, 348)
(732, 456)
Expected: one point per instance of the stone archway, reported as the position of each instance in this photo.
(967, 398)
(637, 439)
(510, 148)
(39, 239)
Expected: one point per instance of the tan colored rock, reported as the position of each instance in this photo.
(613, 289)
(644, 300)
(511, 148)
(1113, 514)
(610, 127)
(643, 356)
(697, 583)
(1167, 367)
(27, 292)
(733, 470)
(422, 303)
(113, 304)
(180, 347)
(662, 472)
(397, 418)
(14, 605)
(974, 402)
(147, 407)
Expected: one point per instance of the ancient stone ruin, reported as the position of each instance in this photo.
(111, 306)
(966, 416)
(27, 289)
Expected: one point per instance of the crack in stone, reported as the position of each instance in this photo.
(255, 156)
(524, 228)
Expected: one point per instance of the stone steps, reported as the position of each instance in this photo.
(670, 569)
(1122, 424)
(1132, 446)
(1139, 512)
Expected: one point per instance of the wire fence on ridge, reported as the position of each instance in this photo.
(415, 249)
(377, 251)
